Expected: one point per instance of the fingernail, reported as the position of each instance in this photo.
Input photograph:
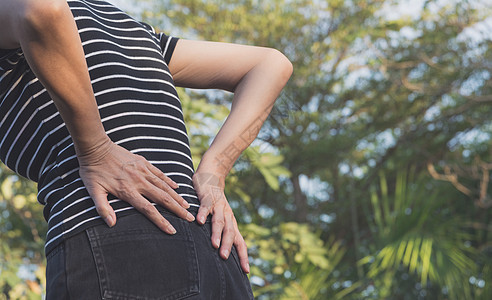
(247, 268)
(190, 217)
(171, 230)
(225, 253)
(109, 220)
(187, 205)
(217, 242)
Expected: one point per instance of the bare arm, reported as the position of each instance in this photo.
(256, 75)
(48, 36)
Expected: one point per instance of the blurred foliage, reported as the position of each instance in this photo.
(22, 232)
(370, 178)
(412, 230)
(292, 262)
(375, 90)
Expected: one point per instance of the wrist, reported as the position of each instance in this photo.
(208, 173)
(92, 152)
(212, 164)
(216, 164)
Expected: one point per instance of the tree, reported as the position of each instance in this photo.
(385, 112)
(415, 234)
(22, 232)
(370, 93)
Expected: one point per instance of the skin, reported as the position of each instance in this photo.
(47, 34)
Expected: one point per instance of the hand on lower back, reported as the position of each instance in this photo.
(225, 233)
(111, 169)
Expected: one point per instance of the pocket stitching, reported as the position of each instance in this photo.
(191, 260)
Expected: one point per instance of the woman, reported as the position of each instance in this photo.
(89, 111)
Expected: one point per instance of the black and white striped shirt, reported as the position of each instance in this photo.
(137, 101)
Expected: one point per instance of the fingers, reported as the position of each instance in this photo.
(228, 234)
(223, 232)
(209, 201)
(208, 205)
(163, 186)
(170, 200)
(103, 208)
(218, 224)
(151, 212)
(242, 251)
(224, 225)
(157, 172)
(159, 188)
(203, 213)
(131, 178)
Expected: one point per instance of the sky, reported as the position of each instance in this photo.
(129, 6)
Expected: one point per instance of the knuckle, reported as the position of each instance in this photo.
(127, 194)
(219, 222)
(167, 200)
(230, 231)
(138, 179)
(147, 208)
(206, 206)
(229, 215)
(241, 249)
(139, 157)
(138, 164)
(142, 168)
(166, 188)
(239, 239)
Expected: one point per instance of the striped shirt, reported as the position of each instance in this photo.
(137, 101)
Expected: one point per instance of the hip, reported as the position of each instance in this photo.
(135, 260)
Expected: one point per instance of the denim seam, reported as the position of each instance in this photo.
(219, 267)
(65, 273)
(94, 244)
(192, 255)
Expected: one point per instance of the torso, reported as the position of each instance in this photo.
(137, 101)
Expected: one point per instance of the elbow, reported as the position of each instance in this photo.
(288, 68)
(282, 65)
(40, 16)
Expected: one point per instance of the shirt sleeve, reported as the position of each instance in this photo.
(168, 43)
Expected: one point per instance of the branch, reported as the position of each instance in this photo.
(451, 175)
(425, 58)
(453, 178)
(481, 99)
(411, 86)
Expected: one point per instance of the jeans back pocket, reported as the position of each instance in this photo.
(136, 260)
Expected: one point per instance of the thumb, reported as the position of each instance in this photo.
(103, 208)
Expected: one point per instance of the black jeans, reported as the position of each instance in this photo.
(135, 260)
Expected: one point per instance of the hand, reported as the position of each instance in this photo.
(225, 233)
(111, 169)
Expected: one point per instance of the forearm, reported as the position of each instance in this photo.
(49, 39)
(253, 100)
(255, 75)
